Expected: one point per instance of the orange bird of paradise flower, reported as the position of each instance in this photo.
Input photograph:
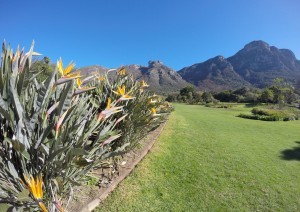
(35, 187)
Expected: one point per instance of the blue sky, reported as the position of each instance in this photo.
(119, 32)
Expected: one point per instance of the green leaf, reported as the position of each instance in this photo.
(118, 151)
(65, 99)
(45, 90)
(26, 155)
(77, 151)
(45, 149)
(15, 97)
(5, 207)
(23, 77)
(3, 104)
(17, 145)
(106, 129)
(56, 153)
(24, 195)
(7, 72)
(74, 182)
(44, 135)
(5, 114)
(21, 136)
(3, 65)
(81, 162)
(59, 183)
(95, 102)
(12, 170)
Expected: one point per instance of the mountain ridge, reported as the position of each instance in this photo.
(161, 78)
(257, 65)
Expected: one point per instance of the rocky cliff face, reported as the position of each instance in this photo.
(257, 64)
(160, 77)
(214, 74)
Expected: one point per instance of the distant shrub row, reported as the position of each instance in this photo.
(219, 105)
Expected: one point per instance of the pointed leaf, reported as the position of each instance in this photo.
(65, 99)
(24, 195)
(23, 76)
(12, 170)
(17, 145)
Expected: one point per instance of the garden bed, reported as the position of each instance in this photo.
(87, 197)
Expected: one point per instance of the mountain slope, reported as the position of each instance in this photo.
(161, 78)
(260, 64)
(257, 65)
(214, 74)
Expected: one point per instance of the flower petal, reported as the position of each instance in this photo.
(69, 68)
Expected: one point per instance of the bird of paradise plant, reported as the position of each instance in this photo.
(144, 84)
(151, 101)
(153, 111)
(122, 71)
(81, 89)
(35, 187)
(101, 78)
(47, 129)
(65, 72)
(122, 92)
(108, 111)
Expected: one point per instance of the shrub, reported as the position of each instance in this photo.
(54, 131)
(270, 115)
(139, 118)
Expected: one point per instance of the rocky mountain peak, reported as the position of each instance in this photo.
(259, 44)
(288, 53)
(154, 63)
(219, 58)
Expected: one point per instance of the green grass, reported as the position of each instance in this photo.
(207, 159)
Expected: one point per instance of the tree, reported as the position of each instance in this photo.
(197, 97)
(207, 97)
(43, 67)
(267, 96)
(281, 88)
(226, 96)
(242, 91)
(186, 90)
(171, 98)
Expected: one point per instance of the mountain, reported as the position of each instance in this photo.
(95, 69)
(160, 77)
(214, 74)
(257, 65)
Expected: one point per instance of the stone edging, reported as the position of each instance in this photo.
(94, 203)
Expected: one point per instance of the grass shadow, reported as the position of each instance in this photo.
(291, 154)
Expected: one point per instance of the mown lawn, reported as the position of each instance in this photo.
(207, 159)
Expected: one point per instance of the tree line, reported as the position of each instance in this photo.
(280, 92)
